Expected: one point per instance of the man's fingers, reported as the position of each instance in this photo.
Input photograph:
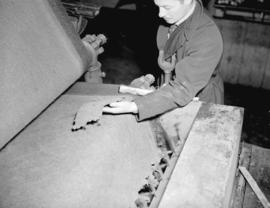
(110, 110)
(115, 104)
(133, 90)
(173, 61)
(161, 54)
(90, 38)
(121, 107)
(161, 57)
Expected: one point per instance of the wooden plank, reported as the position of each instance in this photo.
(240, 184)
(231, 63)
(246, 53)
(260, 170)
(255, 187)
(255, 51)
(266, 77)
(205, 171)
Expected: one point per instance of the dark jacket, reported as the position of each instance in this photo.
(198, 45)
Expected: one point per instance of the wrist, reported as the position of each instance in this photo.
(134, 108)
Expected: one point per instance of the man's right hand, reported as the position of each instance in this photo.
(134, 90)
(143, 82)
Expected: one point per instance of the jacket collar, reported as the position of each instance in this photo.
(184, 31)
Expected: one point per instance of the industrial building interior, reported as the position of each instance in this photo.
(43, 165)
(131, 52)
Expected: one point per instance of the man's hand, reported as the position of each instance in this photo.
(134, 91)
(143, 82)
(121, 107)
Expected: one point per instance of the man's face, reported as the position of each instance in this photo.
(172, 10)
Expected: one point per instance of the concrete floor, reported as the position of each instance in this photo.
(131, 52)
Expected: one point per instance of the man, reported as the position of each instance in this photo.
(193, 49)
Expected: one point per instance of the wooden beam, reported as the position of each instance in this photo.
(255, 187)
(205, 171)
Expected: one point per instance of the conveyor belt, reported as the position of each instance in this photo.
(48, 165)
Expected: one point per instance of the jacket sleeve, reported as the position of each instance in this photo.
(193, 72)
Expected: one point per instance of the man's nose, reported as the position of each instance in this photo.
(162, 12)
